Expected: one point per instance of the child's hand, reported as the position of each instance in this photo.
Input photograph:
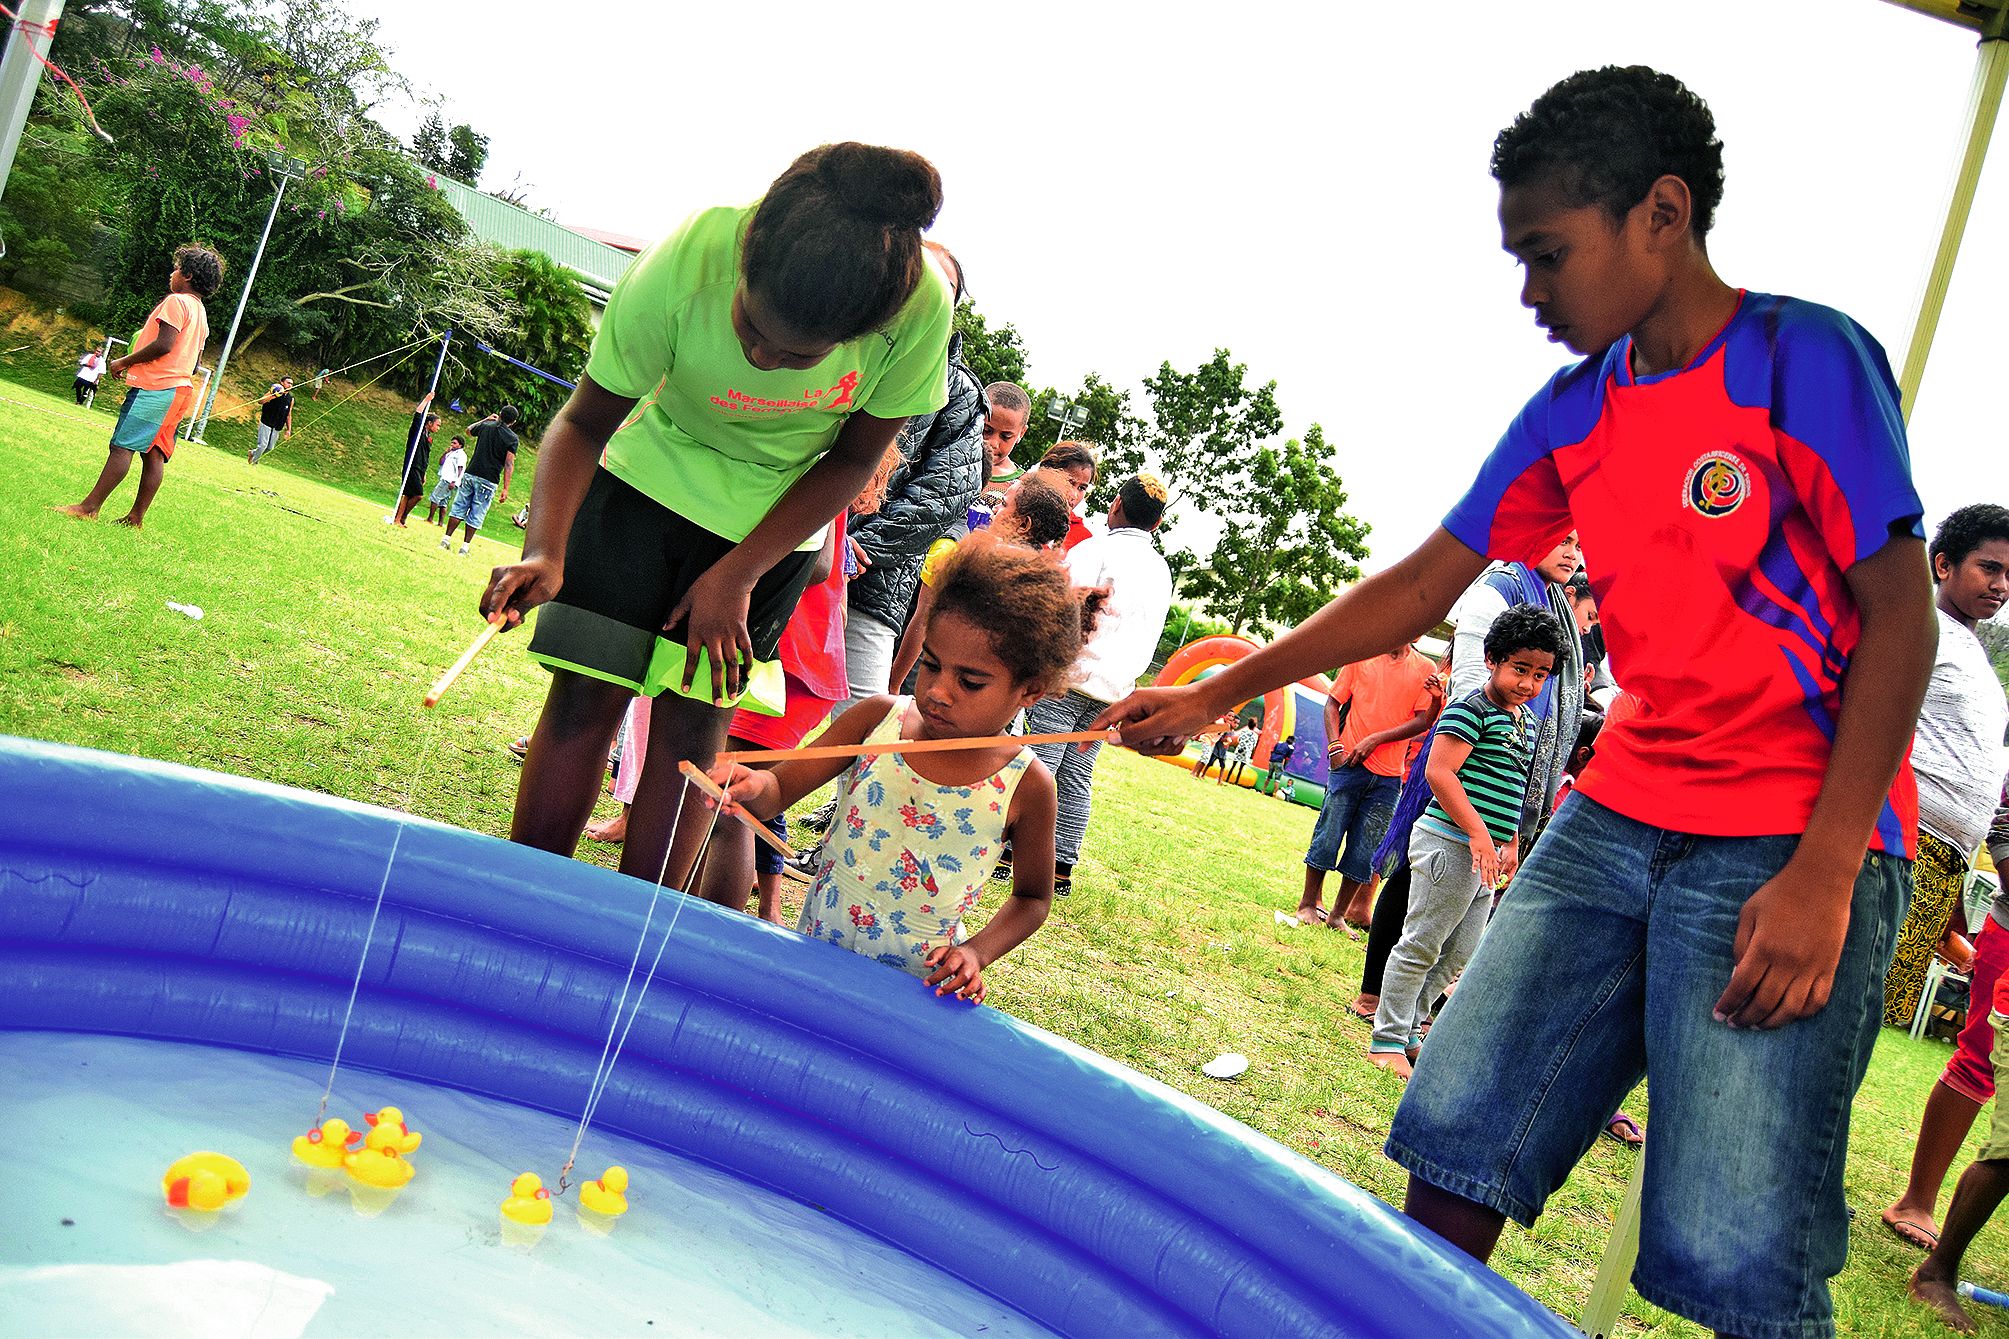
(757, 792)
(1486, 859)
(516, 588)
(958, 971)
(712, 615)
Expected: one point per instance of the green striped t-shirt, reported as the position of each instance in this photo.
(1494, 774)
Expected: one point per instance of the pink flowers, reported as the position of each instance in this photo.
(157, 58)
(240, 126)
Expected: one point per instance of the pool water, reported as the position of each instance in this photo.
(88, 1247)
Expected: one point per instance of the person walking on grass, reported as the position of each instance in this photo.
(1713, 906)
(275, 416)
(1373, 707)
(1958, 756)
(486, 479)
(89, 368)
(1244, 753)
(159, 374)
(1983, 1187)
(1280, 754)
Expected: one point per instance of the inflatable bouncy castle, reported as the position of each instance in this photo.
(1297, 710)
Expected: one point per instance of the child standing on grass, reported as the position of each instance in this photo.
(160, 371)
(1716, 902)
(914, 836)
(748, 376)
(89, 368)
(451, 466)
(1468, 837)
(1980, 1192)
(1280, 753)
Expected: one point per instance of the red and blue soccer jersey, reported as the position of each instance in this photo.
(1719, 506)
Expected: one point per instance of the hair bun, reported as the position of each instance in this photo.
(893, 188)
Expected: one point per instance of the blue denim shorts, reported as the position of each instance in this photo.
(1358, 805)
(1604, 964)
(471, 501)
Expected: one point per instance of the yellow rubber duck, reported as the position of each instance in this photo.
(327, 1146)
(529, 1202)
(408, 1142)
(205, 1181)
(378, 1162)
(608, 1195)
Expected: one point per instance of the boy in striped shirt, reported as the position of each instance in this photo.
(1468, 837)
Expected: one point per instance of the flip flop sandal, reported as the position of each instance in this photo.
(1898, 1226)
(1632, 1137)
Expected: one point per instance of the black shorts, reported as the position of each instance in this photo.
(628, 560)
(415, 474)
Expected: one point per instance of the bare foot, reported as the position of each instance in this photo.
(1358, 913)
(772, 915)
(1310, 915)
(1364, 1005)
(1394, 1062)
(78, 510)
(128, 520)
(612, 831)
(1339, 923)
(1944, 1301)
(1913, 1227)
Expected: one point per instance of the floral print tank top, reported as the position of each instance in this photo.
(905, 858)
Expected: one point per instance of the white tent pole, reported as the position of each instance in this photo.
(1991, 73)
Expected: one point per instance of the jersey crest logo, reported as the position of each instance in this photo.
(1717, 484)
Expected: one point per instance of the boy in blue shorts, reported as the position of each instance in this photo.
(1716, 902)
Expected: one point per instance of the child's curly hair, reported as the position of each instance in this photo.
(202, 267)
(1037, 619)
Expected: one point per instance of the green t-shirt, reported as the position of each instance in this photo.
(1494, 774)
(714, 438)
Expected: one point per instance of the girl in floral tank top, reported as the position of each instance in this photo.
(915, 835)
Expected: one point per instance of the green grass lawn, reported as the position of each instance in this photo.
(323, 626)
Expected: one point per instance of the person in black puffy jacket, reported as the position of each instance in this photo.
(927, 497)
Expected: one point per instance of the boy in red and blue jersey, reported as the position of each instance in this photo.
(1716, 902)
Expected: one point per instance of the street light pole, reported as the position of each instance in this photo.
(287, 169)
(1069, 414)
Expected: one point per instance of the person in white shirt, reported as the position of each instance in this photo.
(451, 466)
(1127, 563)
(89, 368)
(1958, 759)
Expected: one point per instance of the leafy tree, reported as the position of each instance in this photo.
(468, 154)
(1184, 624)
(551, 328)
(994, 355)
(1288, 545)
(1205, 425)
(429, 145)
(55, 197)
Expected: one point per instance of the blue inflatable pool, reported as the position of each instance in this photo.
(156, 901)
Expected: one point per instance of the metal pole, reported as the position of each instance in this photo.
(209, 403)
(412, 446)
(1991, 73)
(21, 74)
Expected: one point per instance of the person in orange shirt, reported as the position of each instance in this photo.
(1374, 705)
(159, 374)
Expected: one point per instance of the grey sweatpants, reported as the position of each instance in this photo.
(1447, 914)
(868, 657)
(1073, 767)
(267, 439)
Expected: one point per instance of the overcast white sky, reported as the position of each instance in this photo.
(1132, 183)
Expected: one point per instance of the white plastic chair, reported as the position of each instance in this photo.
(1940, 969)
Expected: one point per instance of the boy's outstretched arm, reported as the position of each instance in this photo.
(1789, 938)
(1398, 605)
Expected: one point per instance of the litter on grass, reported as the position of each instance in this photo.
(192, 610)
(1229, 1066)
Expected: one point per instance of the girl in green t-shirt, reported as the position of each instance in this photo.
(749, 373)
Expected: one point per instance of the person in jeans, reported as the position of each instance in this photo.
(486, 478)
(1468, 837)
(1958, 757)
(1125, 561)
(1374, 705)
(1713, 907)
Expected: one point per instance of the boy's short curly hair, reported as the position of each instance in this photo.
(1605, 136)
(1043, 512)
(1023, 598)
(202, 268)
(1968, 529)
(1523, 628)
